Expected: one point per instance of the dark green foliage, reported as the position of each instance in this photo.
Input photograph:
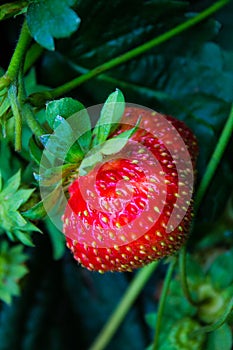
(190, 77)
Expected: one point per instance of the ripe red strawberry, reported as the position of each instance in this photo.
(135, 207)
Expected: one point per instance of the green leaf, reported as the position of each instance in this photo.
(77, 128)
(220, 339)
(65, 107)
(22, 197)
(58, 144)
(89, 162)
(57, 239)
(122, 34)
(179, 335)
(44, 139)
(111, 146)
(81, 126)
(37, 212)
(11, 185)
(35, 151)
(23, 237)
(49, 19)
(115, 144)
(74, 154)
(12, 9)
(151, 319)
(12, 269)
(52, 200)
(4, 103)
(110, 116)
(222, 266)
(11, 220)
(52, 177)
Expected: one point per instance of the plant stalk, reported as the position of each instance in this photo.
(123, 307)
(162, 302)
(26, 108)
(213, 327)
(37, 98)
(32, 56)
(205, 182)
(183, 276)
(19, 53)
(15, 107)
(215, 159)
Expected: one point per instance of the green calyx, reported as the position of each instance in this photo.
(73, 141)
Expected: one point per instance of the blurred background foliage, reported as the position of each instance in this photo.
(190, 77)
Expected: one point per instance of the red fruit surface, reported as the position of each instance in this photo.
(134, 207)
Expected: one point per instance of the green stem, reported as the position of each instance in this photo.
(26, 108)
(12, 9)
(38, 98)
(205, 182)
(215, 159)
(183, 276)
(15, 107)
(19, 53)
(119, 313)
(123, 307)
(162, 301)
(32, 56)
(213, 327)
(33, 124)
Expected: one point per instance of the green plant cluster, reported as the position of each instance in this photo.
(175, 57)
(211, 283)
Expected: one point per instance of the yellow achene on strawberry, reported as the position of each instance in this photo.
(134, 206)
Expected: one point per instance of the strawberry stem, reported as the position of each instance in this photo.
(26, 108)
(17, 58)
(162, 301)
(183, 276)
(205, 182)
(215, 159)
(39, 98)
(142, 277)
(123, 307)
(213, 327)
(33, 53)
(17, 113)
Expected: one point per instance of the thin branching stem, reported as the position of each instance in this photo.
(123, 307)
(205, 182)
(162, 301)
(39, 98)
(213, 327)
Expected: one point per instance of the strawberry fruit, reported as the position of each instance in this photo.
(135, 206)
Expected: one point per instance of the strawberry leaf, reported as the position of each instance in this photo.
(222, 266)
(36, 212)
(11, 220)
(51, 19)
(221, 338)
(35, 151)
(89, 162)
(64, 107)
(12, 9)
(62, 144)
(110, 115)
(39, 210)
(12, 263)
(80, 125)
(57, 239)
(118, 142)
(11, 185)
